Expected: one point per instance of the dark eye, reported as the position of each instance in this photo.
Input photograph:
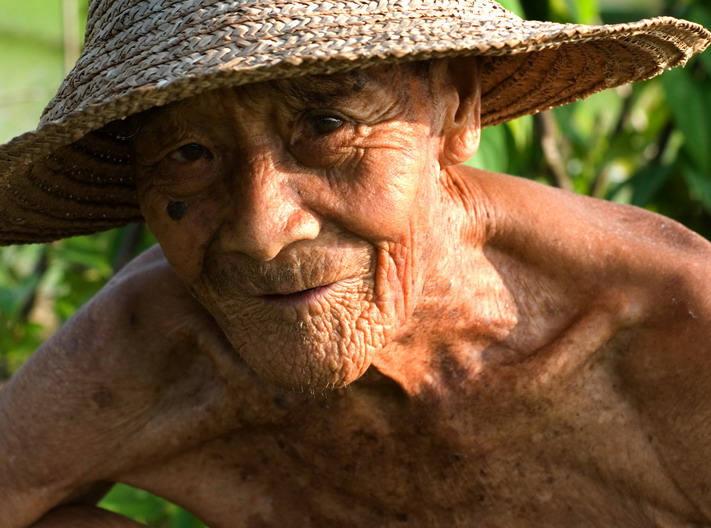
(189, 153)
(324, 124)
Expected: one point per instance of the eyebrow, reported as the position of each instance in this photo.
(325, 89)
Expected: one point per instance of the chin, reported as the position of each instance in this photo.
(308, 372)
(315, 355)
(305, 360)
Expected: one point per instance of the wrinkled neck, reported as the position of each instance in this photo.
(464, 304)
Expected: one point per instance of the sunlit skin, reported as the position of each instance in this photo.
(344, 326)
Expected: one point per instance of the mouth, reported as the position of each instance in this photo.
(298, 297)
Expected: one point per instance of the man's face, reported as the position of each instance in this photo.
(300, 213)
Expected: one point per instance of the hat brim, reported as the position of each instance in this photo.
(73, 175)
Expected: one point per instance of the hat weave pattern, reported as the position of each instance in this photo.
(73, 175)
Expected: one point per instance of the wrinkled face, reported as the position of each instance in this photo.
(300, 213)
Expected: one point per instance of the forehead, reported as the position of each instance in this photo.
(404, 85)
(401, 93)
(398, 80)
(324, 89)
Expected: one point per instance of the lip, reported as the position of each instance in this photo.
(299, 297)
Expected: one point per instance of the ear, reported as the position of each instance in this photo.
(461, 126)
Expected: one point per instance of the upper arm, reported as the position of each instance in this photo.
(666, 374)
(84, 517)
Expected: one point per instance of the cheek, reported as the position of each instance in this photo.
(394, 209)
(393, 205)
(184, 241)
(382, 195)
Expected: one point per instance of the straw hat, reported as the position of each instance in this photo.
(73, 174)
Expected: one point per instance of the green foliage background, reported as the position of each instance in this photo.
(648, 145)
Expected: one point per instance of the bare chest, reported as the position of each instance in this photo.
(368, 456)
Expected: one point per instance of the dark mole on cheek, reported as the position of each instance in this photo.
(103, 398)
(177, 210)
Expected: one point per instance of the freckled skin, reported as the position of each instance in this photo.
(346, 327)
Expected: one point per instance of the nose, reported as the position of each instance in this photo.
(267, 212)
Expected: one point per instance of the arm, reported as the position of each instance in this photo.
(130, 379)
(667, 377)
(80, 512)
(84, 517)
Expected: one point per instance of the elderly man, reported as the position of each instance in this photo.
(458, 348)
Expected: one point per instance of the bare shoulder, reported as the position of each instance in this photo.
(147, 287)
(141, 325)
(571, 234)
(658, 360)
(598, 248)
(141, 374)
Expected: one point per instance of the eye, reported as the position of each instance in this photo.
(322, 124)
(190, 152)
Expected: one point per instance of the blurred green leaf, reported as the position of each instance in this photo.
(584, 11)
(513, 5)
(701, 13)
(700, 185)
(145, 507)
(492, 150)
(84, 252)
(690, 107)
(38, 18)
(647, 183)
(183, 519)
(577, 11)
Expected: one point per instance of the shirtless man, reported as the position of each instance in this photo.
(344, 326)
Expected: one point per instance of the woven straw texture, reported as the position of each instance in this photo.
(73, 175)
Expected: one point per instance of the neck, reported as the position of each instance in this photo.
(502, 291)
(465, 306)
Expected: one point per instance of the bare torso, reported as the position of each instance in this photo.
(585, 406)
(370, 456)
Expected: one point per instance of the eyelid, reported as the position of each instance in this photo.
(205, 153)
(147, 156)
(325, 124)
(327, 112)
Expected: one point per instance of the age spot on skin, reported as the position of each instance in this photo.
(177, 210)
(103, 398)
